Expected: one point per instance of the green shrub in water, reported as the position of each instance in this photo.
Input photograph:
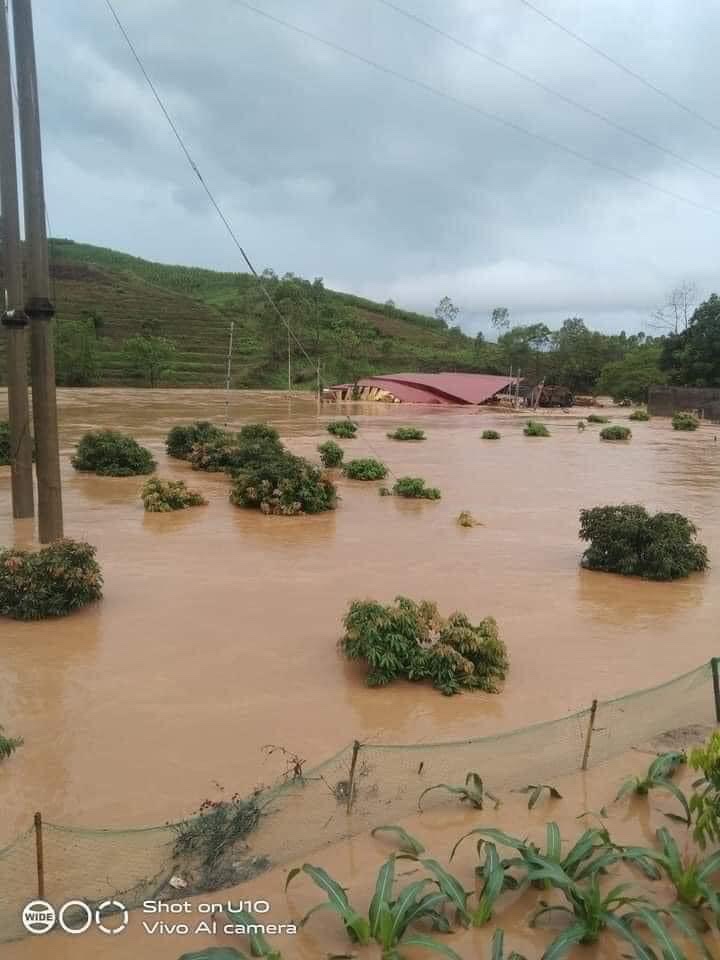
(413, 488)
(639, 415)
(163, 496)
(533, 428)
(615, 432)
(490, 435)
(407, 433)
(50, 582)
(8, 745)
(365, 469)
(597, 418)
(253, 445)
(685, 421)
(183, 437)
(331, 454)
(628, 540)
(283, 484)
(342, 428)
(109, 453)
(410, 640)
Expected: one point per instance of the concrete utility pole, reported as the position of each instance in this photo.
(13, 316)
(38, 306)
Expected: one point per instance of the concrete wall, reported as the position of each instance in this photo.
(665, 401)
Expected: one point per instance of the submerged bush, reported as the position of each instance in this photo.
(162, 496)
(109, 453)
(615, 432)
(597, 418)
(407, 433)
(685, 421)
(255, 443)
(639, 415)
(410, 640)
(331, 454)
(183, 437)
(627, 539)
(342, 428)
(365, 469)
(466, 519)
(533, 428)
(413, 488)
(50, 582)
(8, 745)
(490, 435)
(283, 484)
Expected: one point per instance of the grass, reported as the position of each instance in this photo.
(533, 428)
(615, 432)
(407, 433)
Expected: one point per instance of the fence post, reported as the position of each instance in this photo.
(588, 736)
(351, 778)
(714, 662)
(39, 856)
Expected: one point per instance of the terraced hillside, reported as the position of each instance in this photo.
(193, 307)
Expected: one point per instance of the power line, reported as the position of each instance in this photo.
(621, 66)
(550, 90)
(196, 170)
(510, 124)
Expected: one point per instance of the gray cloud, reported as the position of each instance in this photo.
(328, 167)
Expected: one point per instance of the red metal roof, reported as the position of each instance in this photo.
(439, 387)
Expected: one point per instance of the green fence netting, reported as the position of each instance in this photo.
(298, 816)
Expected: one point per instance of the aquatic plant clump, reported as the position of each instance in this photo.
(163, 496)
(407, 433)
(8, 745)
(331, 454)
(466, 519)
(490, 435)
(109, 453)
(342, 428)
(597, 418)
(50, 582)
(533, 428)
(237, 451)
(413, 488)
(410, 640)
(616, 432)
(639, 415)
(365, 469)
(628, 540)
(182, 438)
(685, 421)
(285, 485)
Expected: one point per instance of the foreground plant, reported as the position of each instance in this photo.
(365, 469)
(342, 428)
(639, 415)
(615, 432)
(390, 916)
(473, 792)
(109, 453)
(50, 582)
(685, 421)
(413, 488)
(533, 428)
(331, 454)
(407, 433)
(497, 948)
(283, 484)
(164, 496)
(411, 640)
(705, 801)
(535, 791)
(627, 539)
(183, 437)
(8, 745)
(259, 945)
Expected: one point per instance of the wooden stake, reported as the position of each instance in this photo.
(716, 685)
(588, 736)
(40, 859)
(351, 779)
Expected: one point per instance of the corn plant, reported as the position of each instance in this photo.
(705, 801)
(405, 841)
(658, 778)
(259, 946)
(473, 792)
(690, 876)
(497, 948)
(8, 745)
(535, 791)
(389, 920)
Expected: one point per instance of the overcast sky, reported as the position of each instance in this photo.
(328, 167)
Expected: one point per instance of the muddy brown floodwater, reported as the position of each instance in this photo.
(217, 633)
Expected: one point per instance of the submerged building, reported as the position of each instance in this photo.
(443, 388)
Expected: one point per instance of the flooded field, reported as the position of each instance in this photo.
(218, 629)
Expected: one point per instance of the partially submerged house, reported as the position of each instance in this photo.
(438, 388)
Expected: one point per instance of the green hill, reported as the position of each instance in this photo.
(119, 295)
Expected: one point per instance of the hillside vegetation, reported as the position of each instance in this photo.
(119, 296)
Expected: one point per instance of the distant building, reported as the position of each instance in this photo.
(438, 388)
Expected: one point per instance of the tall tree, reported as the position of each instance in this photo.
(149, 357)
(692, 358)
(500, 318)
(633, 376)
(674, 315)
(76, 353)
(447, 312)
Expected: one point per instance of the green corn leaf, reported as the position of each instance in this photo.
(562, 944)
(383, 891)
(421, 940)
(677, 793)
(666, 765)
(259, 947)
(670, 850)
(402, 908)
(494, 883)
(442, 786)
(450, 886)
(215, 953)
(629, 786)
(686, 926)
(491, 834)
(553, 842)
(406, 842)
(427, 907)
(497, 947)
(651, 920)
(621, 926)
